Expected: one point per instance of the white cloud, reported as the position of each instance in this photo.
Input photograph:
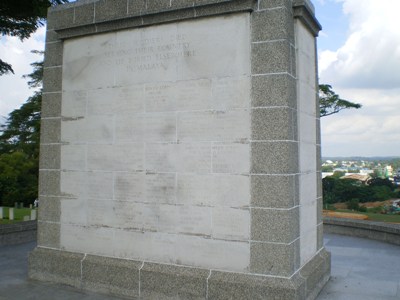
(370, 58)
(14, 88)
(365, 69)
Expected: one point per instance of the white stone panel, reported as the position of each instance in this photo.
(74, 104)
(231, 223)
(308, 246)
(73, 157)
(95, 185)
(230, 93)
(73, 211)
(231, 158)
(193, 94)
(307, 128)
(119, 157)
(129, 186)
(214, 190)
(214, 126)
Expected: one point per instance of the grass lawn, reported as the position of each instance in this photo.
(375, 217)
(19, 214)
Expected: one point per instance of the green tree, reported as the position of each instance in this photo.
(21, 18)
(19, 148)
(330, 103)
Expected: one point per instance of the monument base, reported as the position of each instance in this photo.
(145, 280)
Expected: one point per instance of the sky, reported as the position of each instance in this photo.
(358, 54)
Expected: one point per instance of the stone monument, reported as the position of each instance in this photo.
(180, 150)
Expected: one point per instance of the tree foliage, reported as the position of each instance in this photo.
(330, 103)
(21, 18)
(19, 148)
(344, 190)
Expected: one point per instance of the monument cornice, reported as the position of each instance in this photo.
(94, 16)
(304, 11)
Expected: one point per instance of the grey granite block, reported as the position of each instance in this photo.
(276, 226)
(84, 14)
(274, 259)
(316, 273)
(271, 57)
(274, 90)
(51, 36)
(52, 79)
(274, 157)
(268, 124)
(51, 105)
(110, 9)
(304, 11)
(49, 209)
(57, 19)
(50, 131)
(155, 6)
(225, 7)
(55, 266)
(54, 53)
(119, 24)
(50, 156)
(273, 191)
(136, 7)
(48, 234)
(206, 2)
(77, 31)
(49, 183)
(273, 24)
(111, 275)
(225, 286)
(319, 158)
(175, 4)
(169, 16)
(266, 4)
(175, 282)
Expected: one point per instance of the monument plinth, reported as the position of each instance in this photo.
(180, 150)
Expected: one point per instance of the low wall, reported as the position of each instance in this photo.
(388, 233)
(18, 233)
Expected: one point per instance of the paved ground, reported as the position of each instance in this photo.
(361, 269)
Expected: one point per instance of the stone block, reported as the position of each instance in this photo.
(168, 16)
(154, 6)
(174, 282)
(267, 4)
(53, 54)
(270, 124)
(84, 14)
(50, 157)
(271, 57)
(223, 285)
(50, 209)
(55, 266)
(274, 90)
(224, 7)
(77, 31)
(119, 25)
(136, 7)
(273, 191)
(51, 105)
(52, 79)
(274, 158)
(49, 183)
(316, 273)
(274, 259)
(319, 209)
(231, 158)
(111, 275)
(51, 36)
(58, 19)
(48, 235)
(107, 10)
(275, 24)
(274, 226)
(50, 130)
